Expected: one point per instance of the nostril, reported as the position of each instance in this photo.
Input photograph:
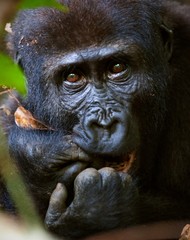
(96, 125)
(113, 126)
(105, 125)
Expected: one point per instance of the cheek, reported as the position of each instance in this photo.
(74, 101)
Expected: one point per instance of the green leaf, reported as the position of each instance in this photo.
(10, 74)
(42, 3)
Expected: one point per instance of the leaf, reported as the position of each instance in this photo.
(185, 235)
(8, 28)
(5, 110)
(11, 75)
(24, 119)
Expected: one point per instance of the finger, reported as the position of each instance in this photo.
(69, 173)
(57, 204)
(110, 178)
(87, 184)
(125, 177)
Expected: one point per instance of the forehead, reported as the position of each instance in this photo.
(88, 24)
(90, 21)
(96, 55)
(99, 52)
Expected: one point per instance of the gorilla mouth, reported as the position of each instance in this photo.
(73, 166)
(70, 169)
(75, 155)
(124, 164)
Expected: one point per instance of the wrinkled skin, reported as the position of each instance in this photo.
(109, 84)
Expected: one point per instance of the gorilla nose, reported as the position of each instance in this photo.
(102, 130)
(104, 124)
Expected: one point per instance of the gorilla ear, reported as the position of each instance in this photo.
(167, 37)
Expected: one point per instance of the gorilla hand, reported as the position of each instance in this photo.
(99, 197)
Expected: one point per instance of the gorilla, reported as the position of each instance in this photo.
(110, 82)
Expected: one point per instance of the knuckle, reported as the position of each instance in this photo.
(87, 176)
(108, 173)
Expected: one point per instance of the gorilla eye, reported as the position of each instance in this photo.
(118, 68)
(118, 71)
(73, 77)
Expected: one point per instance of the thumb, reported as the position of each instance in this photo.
(57, 204)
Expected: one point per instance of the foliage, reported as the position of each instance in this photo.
(10, 74)
(39, 3)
